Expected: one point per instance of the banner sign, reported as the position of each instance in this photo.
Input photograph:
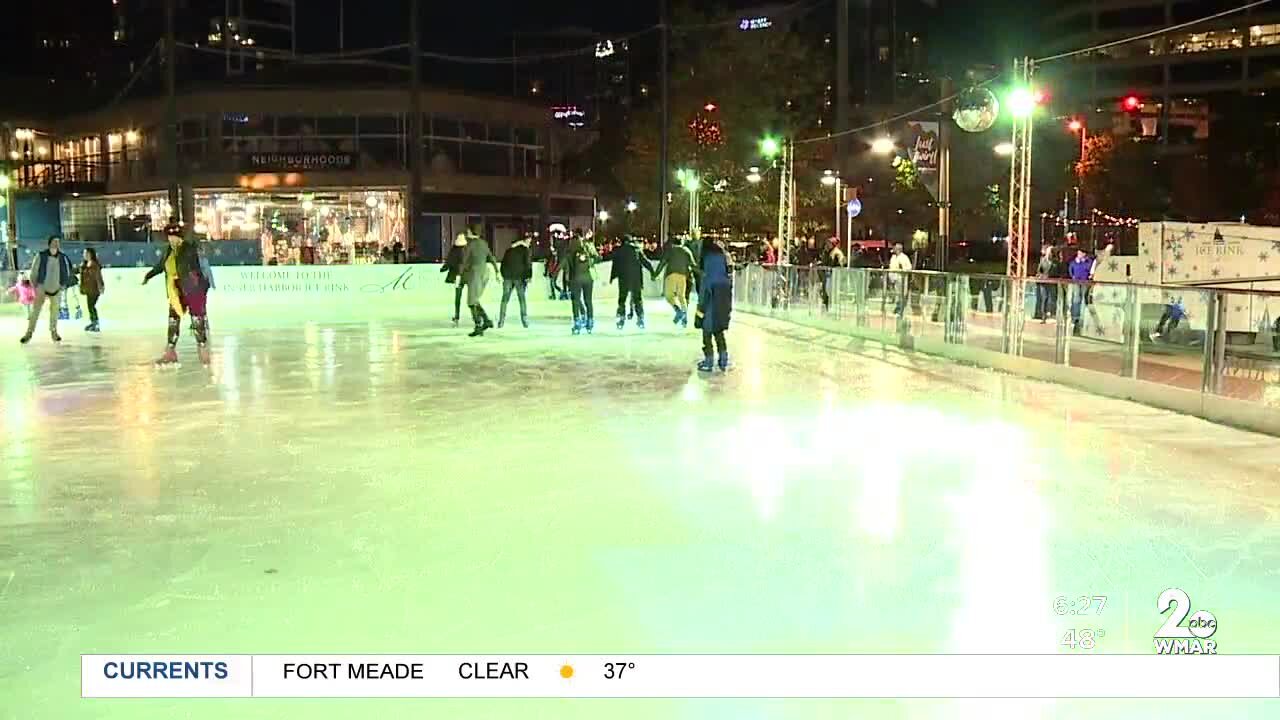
(923, 152)
(297, 162)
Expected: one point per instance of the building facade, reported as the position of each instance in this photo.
(1174, 83)
(309, 175)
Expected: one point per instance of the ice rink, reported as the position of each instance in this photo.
(386, 485)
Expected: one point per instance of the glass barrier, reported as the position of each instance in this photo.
(1224, 341)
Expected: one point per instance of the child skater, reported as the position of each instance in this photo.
(25, 292)
(715, 304)
(187, 283)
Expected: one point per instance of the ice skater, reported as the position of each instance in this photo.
(629, 262)
(517, 271)
(679, 265)
(475, 273)
(715, 304)
(51, 273)
(453, 266)
(25, 293)
(1174, 313)
(91, 285)
(580, 276)
(188, 280)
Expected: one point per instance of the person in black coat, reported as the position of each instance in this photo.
(629, 264)
(517, 271)
(453, 266)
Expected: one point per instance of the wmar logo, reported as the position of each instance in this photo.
(404, 282)
(1173, 638)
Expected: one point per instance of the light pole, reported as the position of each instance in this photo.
(1078, 126)
(11, 218)
(690, 181)
(831, 178)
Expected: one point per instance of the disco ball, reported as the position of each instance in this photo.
(976, 110)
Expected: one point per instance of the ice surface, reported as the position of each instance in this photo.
(385, 484)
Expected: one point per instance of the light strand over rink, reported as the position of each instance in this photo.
(681, 676)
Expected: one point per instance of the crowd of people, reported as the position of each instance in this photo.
(570, 270)
(1080, 270)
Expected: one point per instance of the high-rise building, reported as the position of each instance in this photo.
(579, 73)
(1165, 87)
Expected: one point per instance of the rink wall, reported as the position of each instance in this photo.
(329, 292)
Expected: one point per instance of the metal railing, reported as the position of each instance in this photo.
(1221, 341)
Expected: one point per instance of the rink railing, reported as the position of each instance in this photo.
(1220, 359)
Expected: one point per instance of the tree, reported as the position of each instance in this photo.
(745, 85)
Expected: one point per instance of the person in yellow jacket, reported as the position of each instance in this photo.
(188, 280)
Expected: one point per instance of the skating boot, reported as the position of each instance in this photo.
(591, 326)
(684, 318)
(577, 327)
(25, 339)
(622, 321)
(477, 332)
(57, 338)
(79, 313)
(63, 314)
(675, 319)
(168, 359)
(723, 362)
(501, 321)
(640, 322)
(203, 352)
(90, 328)
(707, 365)
(524, 320)
(455, 322)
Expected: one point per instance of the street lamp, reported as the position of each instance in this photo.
(770, 147)
(690, 181)
(831, 178)
(754, 176)
(603, 215)
(631, 206)
(882, 145)
(1004, 149)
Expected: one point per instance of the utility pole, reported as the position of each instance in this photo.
(944, 178)
(664, 170)
(342, 26)
(415, 133)
(171, 109)
(842, 80)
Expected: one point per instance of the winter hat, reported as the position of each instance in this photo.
(461, 240)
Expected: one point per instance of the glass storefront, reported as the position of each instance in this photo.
(339, 227)
(321, 227)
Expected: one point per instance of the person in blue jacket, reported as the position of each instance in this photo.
(1081, 270)
(715, 304)
(50, 274)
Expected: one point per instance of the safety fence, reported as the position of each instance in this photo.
(1200, 344)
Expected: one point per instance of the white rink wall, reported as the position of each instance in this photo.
(254, 294)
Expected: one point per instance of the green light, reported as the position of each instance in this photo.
(1022, 102)
(770, 147)
(690, 181)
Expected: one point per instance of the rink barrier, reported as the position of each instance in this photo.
(245, 294)
(1221, 362)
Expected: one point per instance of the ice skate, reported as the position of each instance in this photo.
(591, 325)
(168, 359)
(203, 352)
(707, 365)
(501, 321)
(675, 319)
(25, 339)
(622, 321)
(723, 362)
(524, 320)
(577, 327)
(56, 337)
(455, 322)
(640, 322)
(478, 332)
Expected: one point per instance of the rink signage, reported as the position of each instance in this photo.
(297, 162)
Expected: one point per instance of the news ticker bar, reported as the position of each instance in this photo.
(680, 676)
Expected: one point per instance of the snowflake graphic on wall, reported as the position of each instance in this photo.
(1264, 256)
(1177, 257)
(1173, 270)
(1151, 267)
(217, 252)
(1216, 272)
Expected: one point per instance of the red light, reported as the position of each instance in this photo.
(1132, 103)
(709, 107)
(1075, 126)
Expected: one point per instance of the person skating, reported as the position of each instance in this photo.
(1081, 270)
(715, 304)
(25, 292)
(517, 271)
(562, 243)
(453, 266)
(187, 284)
(91, 286)
(475, 272)
(579, 276)
(679, 264)
(50, 274)
(629, 263)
